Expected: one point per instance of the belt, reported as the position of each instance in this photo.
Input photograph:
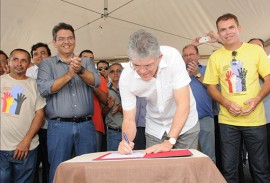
(115, 129)
(75, 120)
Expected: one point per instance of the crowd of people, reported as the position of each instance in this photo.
(54, 108)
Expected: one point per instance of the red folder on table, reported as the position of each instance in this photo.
(139, 154)
(173, 153)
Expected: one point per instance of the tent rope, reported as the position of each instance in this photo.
(126, 21)
(120, 7)
(81, 7)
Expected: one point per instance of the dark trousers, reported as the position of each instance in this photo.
(256, 144)
(268, 141)
(217, 144)
(139, 141)
(243, 158)
(42, 156)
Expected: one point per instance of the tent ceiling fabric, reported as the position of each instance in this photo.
(174, 22)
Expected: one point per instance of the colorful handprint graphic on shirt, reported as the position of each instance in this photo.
(20, 99)
(236, 77)
(242, 75)
(7, 101)
(235, 65)
(228, 79)
(231, 80)
(16, 89)
(12, 102)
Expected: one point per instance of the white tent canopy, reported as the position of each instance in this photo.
(174, 22)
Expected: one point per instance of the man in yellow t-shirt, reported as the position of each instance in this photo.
(237, 67)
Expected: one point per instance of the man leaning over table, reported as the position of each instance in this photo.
(158, 73)
(67, 81)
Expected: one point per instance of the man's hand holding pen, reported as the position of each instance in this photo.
(125, 146)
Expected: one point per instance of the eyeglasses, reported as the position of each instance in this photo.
(145, 67)
(40, 53)
(103, 68)
(69, 39)
(189, 55)
(115, 71)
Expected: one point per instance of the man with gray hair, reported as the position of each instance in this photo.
(159, 74)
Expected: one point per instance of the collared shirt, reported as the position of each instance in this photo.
(114, 120)
(32, 72)
(75, 99)
(161, 106)
(140, 111)
(204, 102)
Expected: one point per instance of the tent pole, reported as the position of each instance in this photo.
(105, 8)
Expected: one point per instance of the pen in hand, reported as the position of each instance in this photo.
(126, 139)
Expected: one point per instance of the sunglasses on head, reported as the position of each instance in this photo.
(102, 68)
(234, 53)
(234, 61)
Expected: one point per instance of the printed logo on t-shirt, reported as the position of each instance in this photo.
(236, 77)
(13, 100)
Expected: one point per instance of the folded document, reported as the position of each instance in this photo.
(140, 154)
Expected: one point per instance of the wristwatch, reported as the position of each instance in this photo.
(171, 140)
(81, 71)
(198, 75)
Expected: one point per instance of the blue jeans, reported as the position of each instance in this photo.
(207, 137)
(12, 170)
(113, 140)
(63, 138)
(255, 139)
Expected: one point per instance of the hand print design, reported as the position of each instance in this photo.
(15, 90)
(229, 75)
(242, 75)
(20, 98)
(7, 99)
(13, 100)
(235, 65)
(237, 77)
